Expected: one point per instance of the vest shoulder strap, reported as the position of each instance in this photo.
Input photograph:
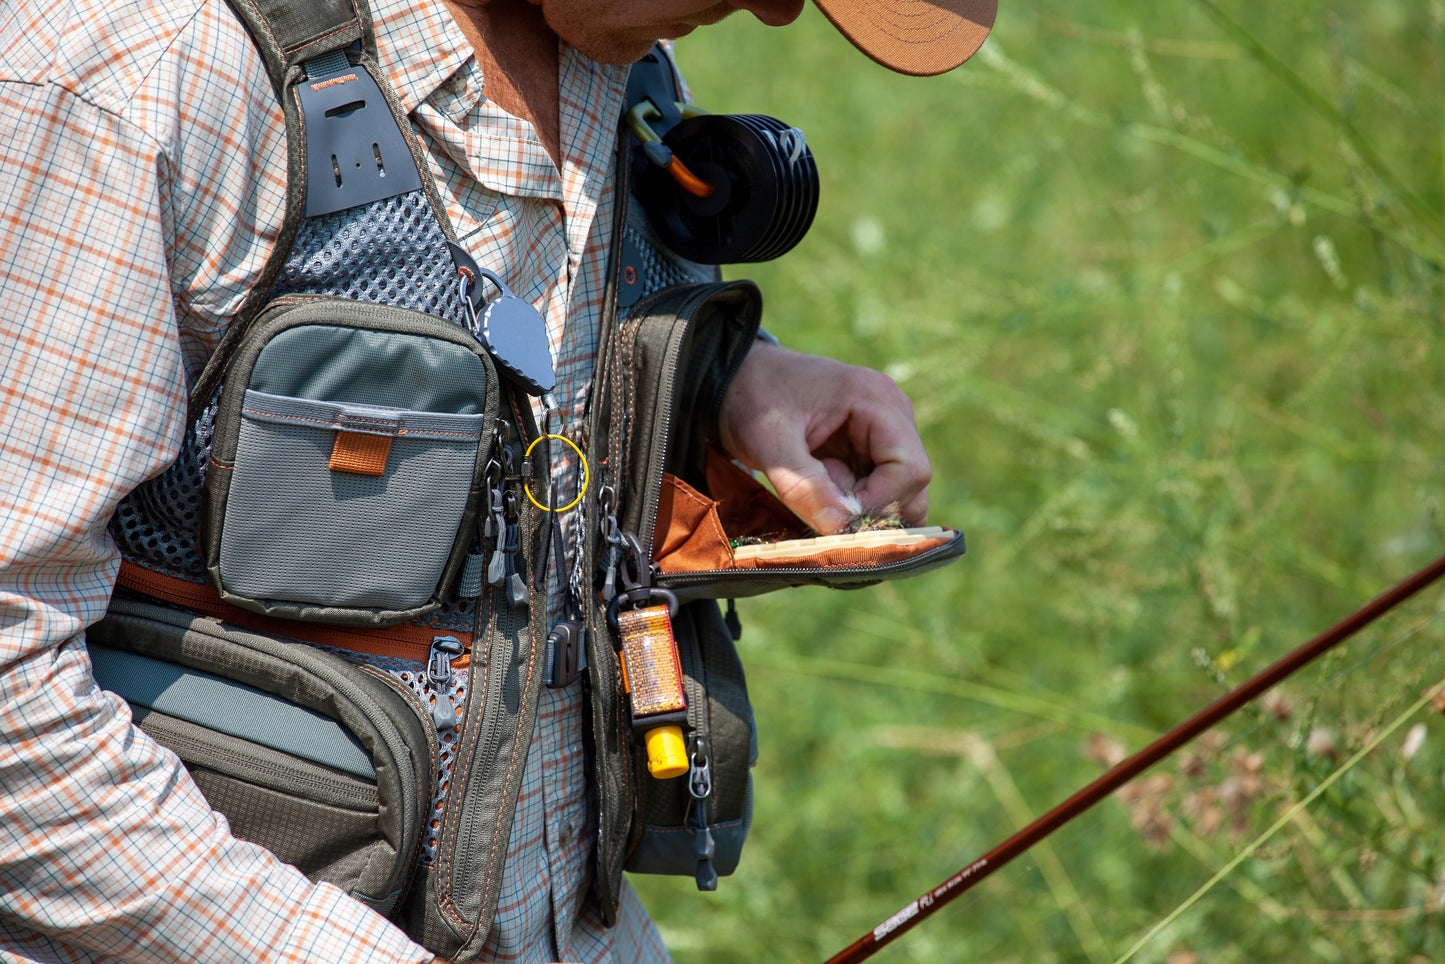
(288, 33)
(348, 140)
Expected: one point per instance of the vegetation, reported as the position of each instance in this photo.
(1165, 284)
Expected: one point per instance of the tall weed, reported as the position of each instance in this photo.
(1164, 282)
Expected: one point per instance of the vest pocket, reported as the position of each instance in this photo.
(346, 468)
(343, 504)
(318, 760)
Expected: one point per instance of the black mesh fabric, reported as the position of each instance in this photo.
(158, 525)
(390, 252)
(413, 676)
(660, 268)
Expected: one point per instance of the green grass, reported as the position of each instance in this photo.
(1165, 284)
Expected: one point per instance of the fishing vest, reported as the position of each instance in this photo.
(333, 605)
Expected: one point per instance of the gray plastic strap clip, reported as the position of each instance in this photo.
(355, 152)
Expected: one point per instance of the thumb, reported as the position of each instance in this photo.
(808, 487)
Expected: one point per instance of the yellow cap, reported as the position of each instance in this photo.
(666, 752)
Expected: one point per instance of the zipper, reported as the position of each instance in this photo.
(616, 545)
(433, 749)
(699, 770)
(509, 620)
(439, 675)
(661, 436)
(503, 520)
(699, 789)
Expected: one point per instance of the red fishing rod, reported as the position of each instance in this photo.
(916, 910)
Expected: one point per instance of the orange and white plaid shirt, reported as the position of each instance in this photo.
(142, 179)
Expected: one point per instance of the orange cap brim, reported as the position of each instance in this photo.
(918, 37)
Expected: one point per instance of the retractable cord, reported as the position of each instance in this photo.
(717, 188)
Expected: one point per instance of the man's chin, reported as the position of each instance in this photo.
(620, 53)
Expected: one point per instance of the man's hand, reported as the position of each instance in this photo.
(821, 431)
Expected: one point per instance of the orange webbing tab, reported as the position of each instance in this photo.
(401, 642)
(360, 453)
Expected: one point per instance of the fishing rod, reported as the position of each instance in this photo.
(921, 907)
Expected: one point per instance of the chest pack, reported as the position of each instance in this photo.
(328, 606)
(333, 606)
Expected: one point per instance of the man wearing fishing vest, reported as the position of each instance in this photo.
(144, 163)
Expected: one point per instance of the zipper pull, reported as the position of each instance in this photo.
(699, 787)
(609, 578)
(517, 593)
(439, 677)
(497, 566)
(495, 527)
(469, 584)
(699, 777)
(704, 848)
(510, 450)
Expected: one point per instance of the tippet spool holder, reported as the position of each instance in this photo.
(717, 188)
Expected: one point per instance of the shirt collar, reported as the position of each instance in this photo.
(429, 61)
(424, 53)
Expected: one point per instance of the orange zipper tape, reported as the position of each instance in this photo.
(401, 642)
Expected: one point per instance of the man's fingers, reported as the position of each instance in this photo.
(900, 472)
(915, 510)
(811, 493)
(823, 431)
(841, 474)
(903, 482)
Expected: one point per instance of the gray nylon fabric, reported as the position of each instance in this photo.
(325, 823)
(276, 498)
(382, 816)
(669, 848)
(230, 707)
(295, 27)
(343, 364)
(256, 763)
(287, 33)
(287, 513)
(363, 419)
(326, 842)
(390, 252)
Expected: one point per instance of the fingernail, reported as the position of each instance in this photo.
(830, 519)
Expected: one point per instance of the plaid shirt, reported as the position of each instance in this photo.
(142, 150)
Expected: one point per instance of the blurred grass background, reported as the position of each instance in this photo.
(1164, 282)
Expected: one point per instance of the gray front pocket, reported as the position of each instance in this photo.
(335, 504)
(346, 467)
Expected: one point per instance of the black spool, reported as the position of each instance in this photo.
(765, 189)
